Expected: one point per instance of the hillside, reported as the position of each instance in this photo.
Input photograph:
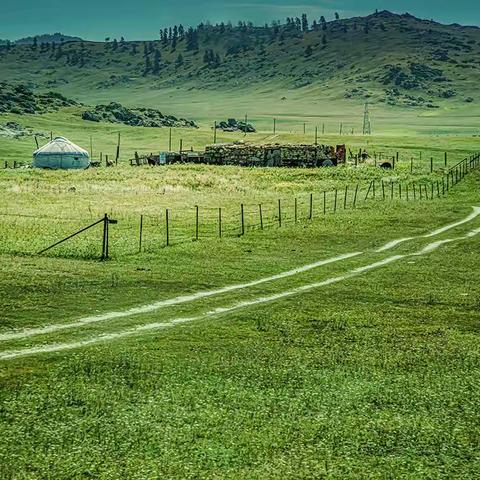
(385, 58)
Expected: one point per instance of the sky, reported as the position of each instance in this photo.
(142, 19)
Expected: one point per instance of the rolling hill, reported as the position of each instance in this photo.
(387, 59)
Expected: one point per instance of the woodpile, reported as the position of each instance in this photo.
(275, 155)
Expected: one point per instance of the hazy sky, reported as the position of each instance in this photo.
(141, 19)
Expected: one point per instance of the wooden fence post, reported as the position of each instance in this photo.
(335, 201)
(219, 222)
(355, 196)
(345, 198)
(279, 212)
(261, 215)
(196, 221)
(141, 235)
(242, 219)
(324, 202)
(167, 227)
(296, 210)
(105, 238)
(310, 215)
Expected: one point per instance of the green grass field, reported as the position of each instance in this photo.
(374, 374)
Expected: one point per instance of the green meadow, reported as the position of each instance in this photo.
(373, 375)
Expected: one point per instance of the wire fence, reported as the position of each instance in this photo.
(133, 234)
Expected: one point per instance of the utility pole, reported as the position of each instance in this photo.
(367, 127)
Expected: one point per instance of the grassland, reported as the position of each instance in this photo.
(373, 376)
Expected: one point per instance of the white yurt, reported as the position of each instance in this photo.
(61, 153)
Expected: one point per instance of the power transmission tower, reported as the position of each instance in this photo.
(367, 127)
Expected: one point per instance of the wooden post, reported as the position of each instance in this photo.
(431, 164)
(368, 191)
(345, 197)
(91, 147)
(261, 215)
(411, 165)
(215, 132)
(196, 222)
(106, 160)
(310, 213)
(36, 142)
(406, 191)
(246, 121)
(279, 213)
(373, 188)
(296, 210)
(355, 196)
(383, 189)
(104, 239)
(167, 230)
(316, 135)
(117, 156)
(219, 222)
(274, 126)
(304, 128)
(397, 158)
(170, 139)
(335, 201)
(323, 129)
(181, 146)
(141, 235)
(391, 190)
(51, 136)
(446, 159)
(341, 128)
(242, 220)
(400, 190)
(324, 202)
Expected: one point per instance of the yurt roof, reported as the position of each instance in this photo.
(60, 145)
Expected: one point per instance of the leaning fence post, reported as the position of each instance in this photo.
(261, 215)
(355, 196)
(345, 197)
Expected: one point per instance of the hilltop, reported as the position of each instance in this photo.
(45, 38)
(385, 58)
